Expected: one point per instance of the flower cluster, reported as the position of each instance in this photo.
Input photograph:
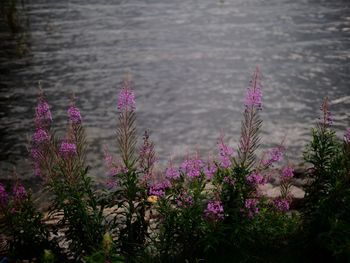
(126, 98)
(40, 136)
(253, 97)
(192, 167)
(172, 173)
(43, 115)
(67, 149)
(158, 189)
(287, 173)
(256, 178)
(214, 211)
(281, 204)
(274, 155)
(74, 114)
(251, 207)
(209, 170)
(225, 154)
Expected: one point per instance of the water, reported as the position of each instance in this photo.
(191, 63)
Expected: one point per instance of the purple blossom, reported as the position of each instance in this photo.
(225, 153)
(126, 99)
(184, 200)
(40, 136)
(281, 204)
(251, 207)
(214, 211)
(158, 189)
(67, 149)
(347, 135)
(4, 198)
(74, 114)
(172, 173)
(287, 173)
(253, 97)
(43, 115)
(209, 170)
(275, 155)
(256, 178)
(192, 167)
(229, 181)
(19, 192)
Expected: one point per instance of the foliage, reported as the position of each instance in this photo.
(208, 210)
(326, 209)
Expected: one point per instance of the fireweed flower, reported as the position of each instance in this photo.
(255, 178)
(253, 97)
(275, 155)
(281, 204)
(42, 113)
(287, 173)
(40, 136)
(184, 200)
(4, 198)
(192, 167)
(251, 207)
(225, 153)
(158, 189)
(19, 192)
(214, 211)
(209, 170)
(74, 114)
(67, 149)
(126, 98)
(172, 173)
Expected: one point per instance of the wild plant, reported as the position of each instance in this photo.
(231, 217)
(61, 165)
(129, 177)
(21, 223)
(326, 207)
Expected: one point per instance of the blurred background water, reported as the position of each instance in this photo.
(191, 61)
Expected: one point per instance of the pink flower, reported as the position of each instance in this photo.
(251, 207)
(40, 136)
(126, 98)
(74, 114)
(214, 211)
(281, 204)
(287, 173)
(67, 149)
(225, 153)
(253, 97)
(256, 178)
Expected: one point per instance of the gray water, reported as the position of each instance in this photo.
(191, 62)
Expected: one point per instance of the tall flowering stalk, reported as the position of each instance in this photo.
(251, 123)
(126, 130)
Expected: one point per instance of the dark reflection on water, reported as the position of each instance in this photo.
(191, 62)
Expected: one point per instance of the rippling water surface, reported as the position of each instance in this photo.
(191, 62)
